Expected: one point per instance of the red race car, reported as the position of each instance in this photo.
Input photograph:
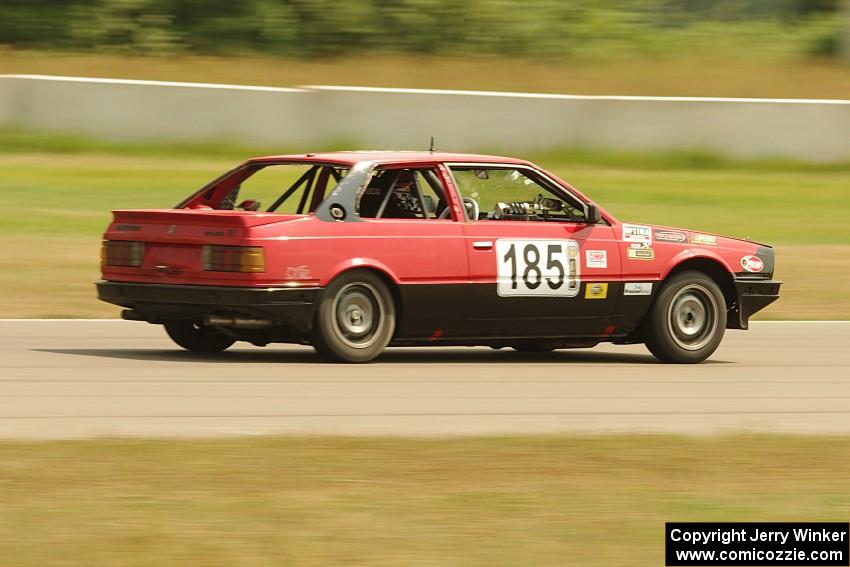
(352, 252)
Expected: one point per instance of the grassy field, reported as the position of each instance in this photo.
(332, 501)
(58, 200)
(621, 75)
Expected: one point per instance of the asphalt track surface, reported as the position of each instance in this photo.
(73, 379)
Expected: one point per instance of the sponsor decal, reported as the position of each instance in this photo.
(752, 264)
(704, 239)
(596, 258)
(637, 233)
(670, 236)
(298, 272)
(640, 252)
(637, 288)
(596, 291)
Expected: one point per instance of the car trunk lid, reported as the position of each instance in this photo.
(174, 242)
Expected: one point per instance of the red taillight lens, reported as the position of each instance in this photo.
(234, 259)
(122, 253)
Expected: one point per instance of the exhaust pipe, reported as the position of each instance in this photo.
(237, 322)
(133, 315)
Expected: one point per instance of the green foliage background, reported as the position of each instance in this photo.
(533, 28)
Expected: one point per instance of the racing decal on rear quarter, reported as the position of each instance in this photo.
(637, 233)
(537, 267)
(704, 239)
(670, 236)
(298, 272)
(596, 258)
(637, 288)
(596, 291)
(752, 264)
(640, 252)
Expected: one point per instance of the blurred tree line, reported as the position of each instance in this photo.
(531, 28)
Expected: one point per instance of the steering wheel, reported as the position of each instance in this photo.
(472, 208)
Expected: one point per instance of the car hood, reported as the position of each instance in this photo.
(690, 231)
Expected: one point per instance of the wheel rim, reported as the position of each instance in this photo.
(692, 317)
(358, 315)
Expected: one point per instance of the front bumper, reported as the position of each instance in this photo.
(753, 295)
(158, 303)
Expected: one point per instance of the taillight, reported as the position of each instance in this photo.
(234, 259)
(122, 253)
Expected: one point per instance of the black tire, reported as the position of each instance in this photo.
(355, 319)
(686, 322)
(198, 338)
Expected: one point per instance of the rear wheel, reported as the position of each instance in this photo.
(687, 319)
(198, 338)
(355, 320)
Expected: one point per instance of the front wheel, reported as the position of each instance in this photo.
(198, 338)
(355, 320)
(687, 319)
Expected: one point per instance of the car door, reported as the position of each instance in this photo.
(412, 226)
(536, 269)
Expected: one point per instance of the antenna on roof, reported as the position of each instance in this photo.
(431, 149)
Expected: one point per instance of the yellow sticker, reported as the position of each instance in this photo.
(596, 291)
(706, 239)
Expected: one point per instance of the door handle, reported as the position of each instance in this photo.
(482, 245)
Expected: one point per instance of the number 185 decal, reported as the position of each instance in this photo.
(537, 267)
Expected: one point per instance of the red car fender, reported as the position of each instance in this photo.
(352, 263)
(695, 253)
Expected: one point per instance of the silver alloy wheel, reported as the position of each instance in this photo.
(692, 317)
(359, 313)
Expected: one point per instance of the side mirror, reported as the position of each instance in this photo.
(593, 215)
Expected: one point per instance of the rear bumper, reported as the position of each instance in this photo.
(752, 296)
(158, 303)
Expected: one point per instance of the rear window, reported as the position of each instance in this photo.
(286, 188)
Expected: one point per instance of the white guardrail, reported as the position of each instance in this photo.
(115, 109)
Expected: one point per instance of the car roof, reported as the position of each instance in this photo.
(382, 156)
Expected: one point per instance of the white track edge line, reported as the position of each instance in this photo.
(575, 97)
(62, 78)
(390, 90)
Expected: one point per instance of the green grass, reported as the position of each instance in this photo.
(780, 202)
(332, 501)
(776, 207)
(58, 192)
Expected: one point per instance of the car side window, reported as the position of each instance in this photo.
(506, 193)
(415, 193)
